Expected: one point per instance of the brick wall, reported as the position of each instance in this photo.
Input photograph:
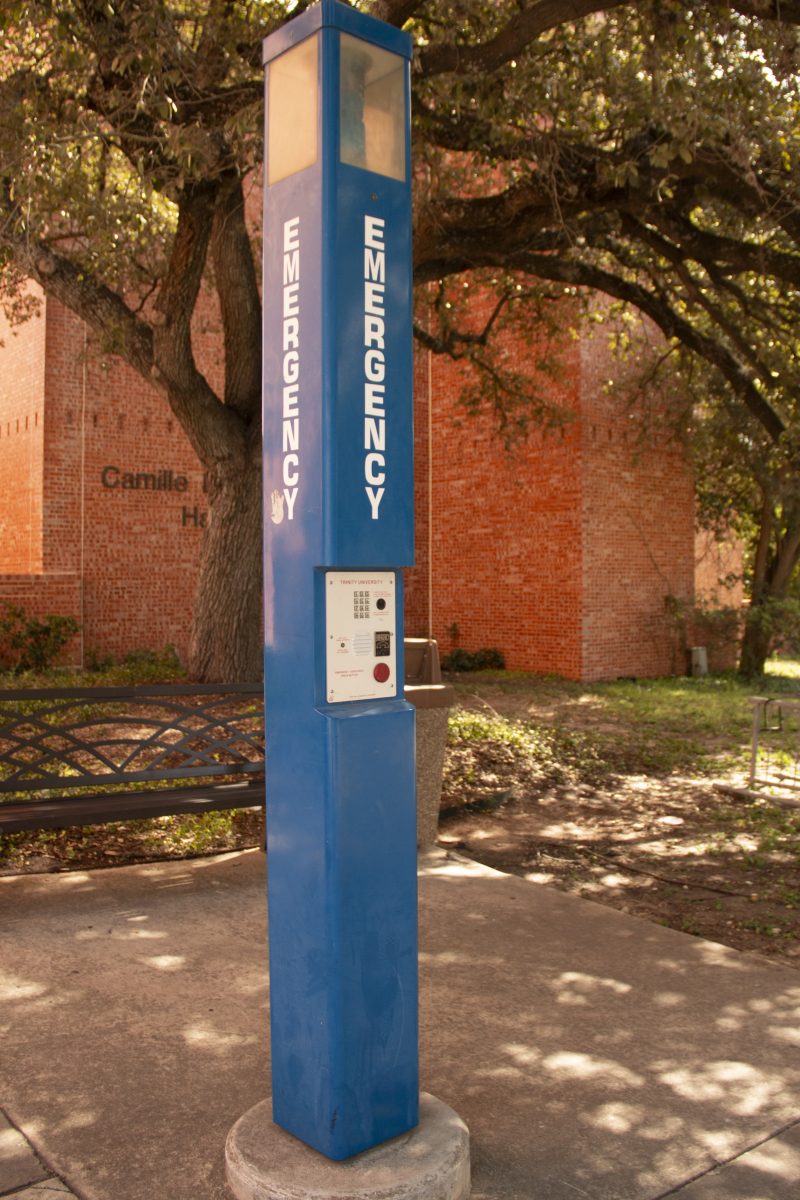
(719, 569)
(77, 427)
(719, 592)
(42, 595)
(22, 419)
(505, 526)
(136, 547)
(79, 432)
(638, 523)
(560, 554)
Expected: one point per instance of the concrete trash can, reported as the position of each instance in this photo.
(433, 701)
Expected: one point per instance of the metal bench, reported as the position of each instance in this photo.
(80, 756)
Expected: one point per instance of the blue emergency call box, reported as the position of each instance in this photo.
(338, 521)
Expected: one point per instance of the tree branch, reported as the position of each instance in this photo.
(395, 12)
(237, 288)
(671, 324)
(181, 283)
(214, 430)
(786, 556)
(457, 343)
(697, 294)
(528, 25)
(521, 218)
(103, 310)
(712, 247)
(786, 12)
(486, 252)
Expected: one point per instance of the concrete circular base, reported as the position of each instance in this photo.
(430, 1162)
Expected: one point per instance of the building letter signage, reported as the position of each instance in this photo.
(112, 477)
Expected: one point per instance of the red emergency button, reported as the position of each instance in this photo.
(381, 672)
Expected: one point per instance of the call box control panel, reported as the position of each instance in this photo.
(360, 635)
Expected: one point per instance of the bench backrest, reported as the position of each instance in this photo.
(78, 737)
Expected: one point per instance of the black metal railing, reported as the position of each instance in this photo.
(71, 755)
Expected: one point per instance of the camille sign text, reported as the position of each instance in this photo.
(116, 479)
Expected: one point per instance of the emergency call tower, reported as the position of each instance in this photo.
(338, 498)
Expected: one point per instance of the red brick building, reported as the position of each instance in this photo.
(101, 496)
(560, 554)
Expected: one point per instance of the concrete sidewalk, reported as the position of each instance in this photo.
(591, 1054)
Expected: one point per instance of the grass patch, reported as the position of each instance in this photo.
(716, 705)
(650, 726)
(782, 671)
(766, 833)
(116, 842)
(135, 669)
(559, 753)
(490, 757)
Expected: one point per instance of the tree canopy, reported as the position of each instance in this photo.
(647, 149)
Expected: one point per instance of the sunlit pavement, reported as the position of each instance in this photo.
(591, 1054)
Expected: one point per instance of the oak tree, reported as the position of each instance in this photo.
(647, 150)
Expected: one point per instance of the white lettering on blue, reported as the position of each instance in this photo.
(291, 365)
(374, 362)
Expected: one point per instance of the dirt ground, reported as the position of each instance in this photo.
(670, 849)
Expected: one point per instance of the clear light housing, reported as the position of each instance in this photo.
(292, 90)
(372, 125)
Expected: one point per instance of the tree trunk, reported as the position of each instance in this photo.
(755, 645)
(227, 641)
(772, 575)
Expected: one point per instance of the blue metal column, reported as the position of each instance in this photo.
(338, 487)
